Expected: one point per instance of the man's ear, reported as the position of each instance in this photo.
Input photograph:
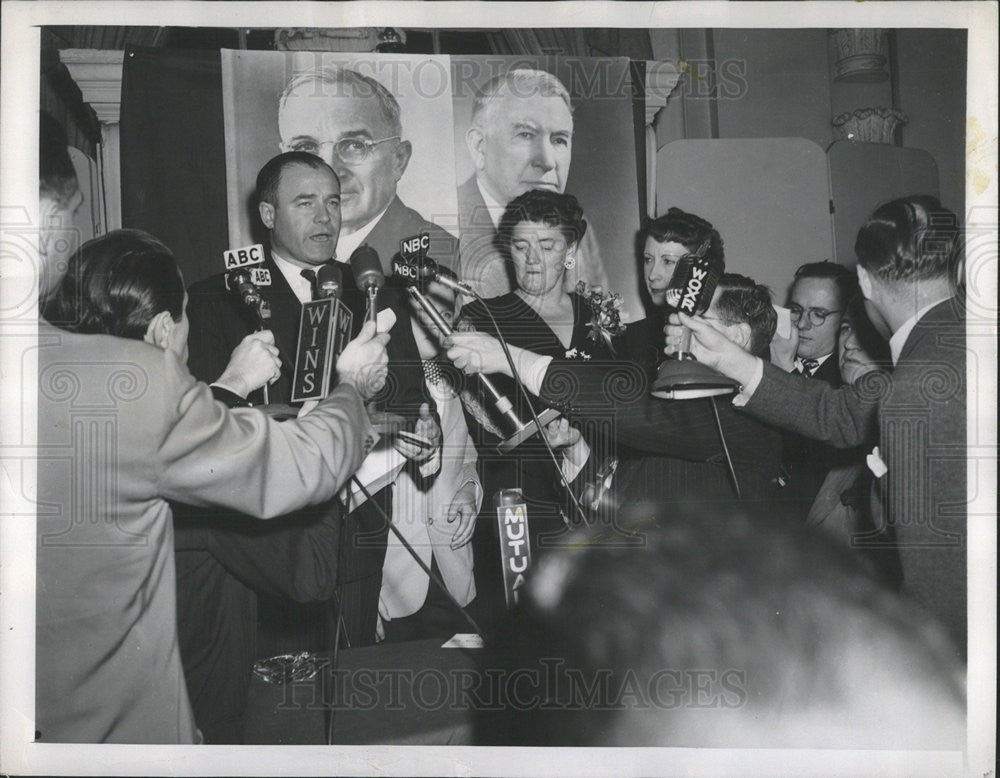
(401, 158)
(865, 282)
(474, 140)
(266, 211)
(159, 329)
(744, 335)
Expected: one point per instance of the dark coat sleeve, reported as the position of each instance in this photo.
(620, 390)
(297, 559)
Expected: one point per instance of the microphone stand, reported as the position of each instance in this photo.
(340, 600)
(502, 402)
(527, 399)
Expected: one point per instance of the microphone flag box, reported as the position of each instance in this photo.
(244, 257)
(414, 248)
(515, 550)
(324, 330)
(259, 276)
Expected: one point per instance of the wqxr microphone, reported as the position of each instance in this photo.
(368, 275)
(681, 376)
(408, 266)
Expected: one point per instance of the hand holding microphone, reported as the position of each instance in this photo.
(253, 364)
(364, 363)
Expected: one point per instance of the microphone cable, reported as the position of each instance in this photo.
(531, 409)
(430, 574)
(725, 449)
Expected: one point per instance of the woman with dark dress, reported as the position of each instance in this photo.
(538, 234)
(663, 241)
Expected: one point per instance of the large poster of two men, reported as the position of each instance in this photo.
(442, 144)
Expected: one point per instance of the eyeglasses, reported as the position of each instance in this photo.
(816, 315)
(350, 151)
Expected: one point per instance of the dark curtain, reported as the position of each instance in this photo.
(173, 154)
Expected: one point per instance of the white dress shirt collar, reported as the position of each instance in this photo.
(819, 363)
(494, 208)
(293, 275)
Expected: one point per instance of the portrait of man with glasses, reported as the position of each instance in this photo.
(353, 122)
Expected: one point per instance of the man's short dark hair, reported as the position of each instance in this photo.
(910, 239)
(115, 284)
(743, 301)
(724, 626)
(845, 279)
(691, 231)
(56, 174)
(269, 177)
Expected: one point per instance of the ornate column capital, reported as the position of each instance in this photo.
(98, 73)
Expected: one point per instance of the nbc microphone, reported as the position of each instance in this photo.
(414, 273)
(368, 275)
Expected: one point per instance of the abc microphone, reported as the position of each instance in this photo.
(368, 275)
(242, 277)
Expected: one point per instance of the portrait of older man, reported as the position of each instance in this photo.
(353, 123)
(521, 138)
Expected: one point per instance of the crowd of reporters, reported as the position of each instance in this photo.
(175, 476)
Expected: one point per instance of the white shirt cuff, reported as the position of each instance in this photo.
(531, 367)
(747, 390)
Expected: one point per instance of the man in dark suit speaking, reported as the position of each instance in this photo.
(221, 565)
(907, 250)
(354, 124)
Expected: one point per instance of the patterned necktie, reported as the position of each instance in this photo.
(310, 275)
(432, 371)
(809, 365)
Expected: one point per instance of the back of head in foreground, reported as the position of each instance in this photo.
(724, 629)
(117, 284)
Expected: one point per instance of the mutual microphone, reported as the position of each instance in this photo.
(368, 275)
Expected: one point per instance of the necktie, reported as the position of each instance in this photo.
(809, 365)
(432, 371)
(310, 275)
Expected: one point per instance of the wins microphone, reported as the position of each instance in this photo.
(691, 288)
(368, 275)
(324, 331)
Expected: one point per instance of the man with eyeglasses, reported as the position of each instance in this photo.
(908, 251)
(816, 302)
(353, 123)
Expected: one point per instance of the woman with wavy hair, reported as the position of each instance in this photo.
(539, 234)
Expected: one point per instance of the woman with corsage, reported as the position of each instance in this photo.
(539, 234)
